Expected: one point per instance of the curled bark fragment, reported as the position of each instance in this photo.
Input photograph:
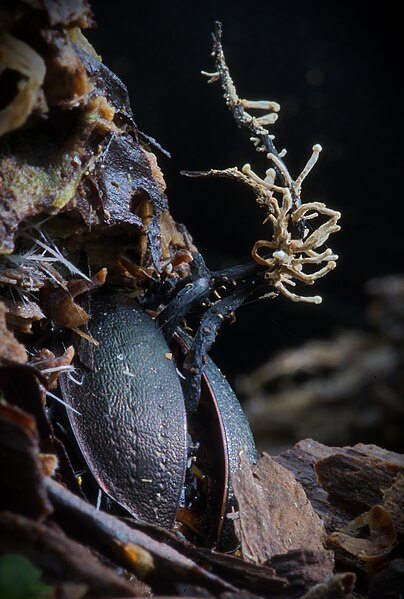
(381, 540)
(355, 477)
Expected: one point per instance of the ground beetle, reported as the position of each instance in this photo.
(129, 419)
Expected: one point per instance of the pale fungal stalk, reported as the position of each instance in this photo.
(293, 245)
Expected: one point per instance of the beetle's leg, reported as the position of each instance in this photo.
(192, 292)
(205, 337)
(195, 289)
(241, 272)
(171, 317)
(189, 292)
(161, 291)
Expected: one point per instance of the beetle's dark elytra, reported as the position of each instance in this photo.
(236, 436)
(132, 427)
(132, 423)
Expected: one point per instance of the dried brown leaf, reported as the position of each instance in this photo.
(51, 366)
(59, 304)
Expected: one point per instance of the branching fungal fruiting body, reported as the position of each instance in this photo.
(278, 263)
(293, 244)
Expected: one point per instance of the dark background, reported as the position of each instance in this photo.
(334, 67)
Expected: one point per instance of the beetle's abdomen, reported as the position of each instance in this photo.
(132, 423)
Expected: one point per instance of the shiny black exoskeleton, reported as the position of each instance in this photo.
(133, 430)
